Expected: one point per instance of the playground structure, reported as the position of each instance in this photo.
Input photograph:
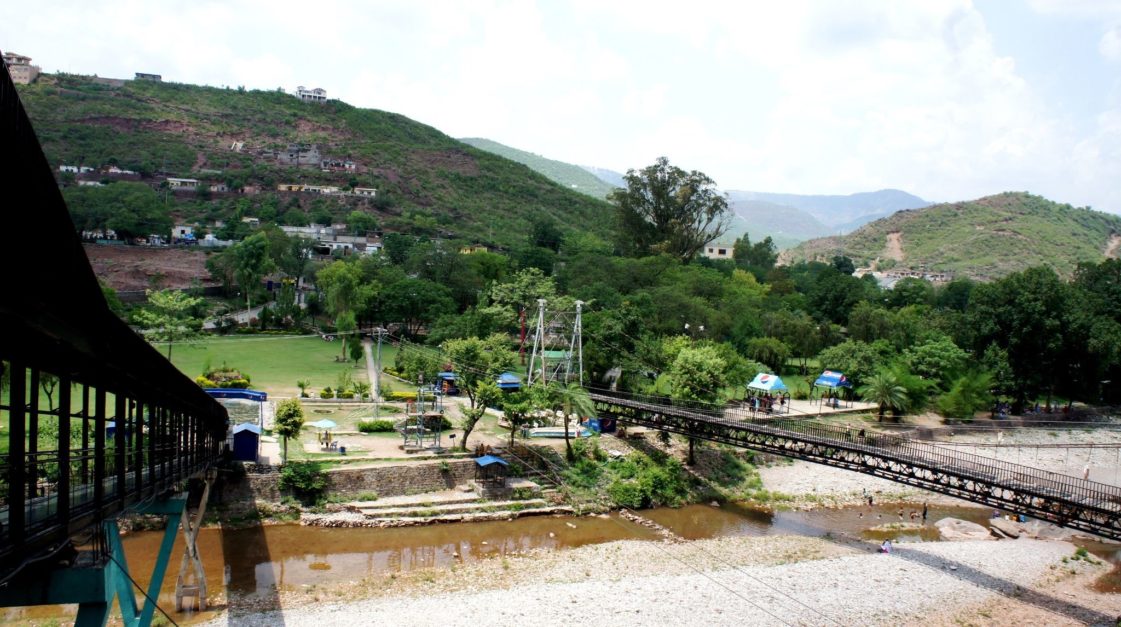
(423, 426)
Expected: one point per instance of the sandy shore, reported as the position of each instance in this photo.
(726, 581)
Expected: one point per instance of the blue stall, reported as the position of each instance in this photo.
(509, 382)
(247, 442)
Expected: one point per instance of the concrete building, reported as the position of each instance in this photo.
(299, 155)
(182, 183)
(717, 251)
(365, 191)
(19, 66)
(311, 95)
(141, 76)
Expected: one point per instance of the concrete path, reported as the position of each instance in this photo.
(371, 370)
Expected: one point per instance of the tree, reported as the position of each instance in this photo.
(303, 384)
(572, 398)
(969, 394)
(697, 374)
(356, 351)
(345, 325)
(667, 210)
(168, 317)
(251, 263)
(545, 233)
(938, 360)
(858, 360)
(843, 264)
(48, 382)
(769, 351)
(759, 257)
(360, 222)
(289, 420)
(478, 363)
(884, 390)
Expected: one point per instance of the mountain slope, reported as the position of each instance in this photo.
(571, 176)
(841, 213)
(785, 225)
(611, 177)
(985, 238)
(427, 182)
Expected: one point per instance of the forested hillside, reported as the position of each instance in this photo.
(571, 176)
(427, 183)
(986, 238)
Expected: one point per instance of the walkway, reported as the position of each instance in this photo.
(371, 370)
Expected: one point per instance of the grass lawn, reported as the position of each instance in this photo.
(273, 363)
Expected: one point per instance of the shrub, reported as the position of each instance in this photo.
(204, 382)
(625, 493)
(304, 479)
(327, 392)
(402, 396)
(239, 384)
(375, 426)
(347, 394)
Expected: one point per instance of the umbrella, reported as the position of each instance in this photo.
(323, 424)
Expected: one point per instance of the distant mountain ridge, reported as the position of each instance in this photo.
(571, 176)
(985, 238)
(841, 213)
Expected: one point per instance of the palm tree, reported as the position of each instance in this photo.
(884, 390)
(572, 397)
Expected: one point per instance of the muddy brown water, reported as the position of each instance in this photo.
(253, 564)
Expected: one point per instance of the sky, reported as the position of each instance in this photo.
(949, 100)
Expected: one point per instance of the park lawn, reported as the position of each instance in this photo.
(274, 363)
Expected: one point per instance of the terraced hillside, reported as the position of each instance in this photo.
(426, 182)
(985, 238)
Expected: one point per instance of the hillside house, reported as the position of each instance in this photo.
(219, 187)
(254, 223)
(369, 192)
(289, 187)
(717, 251)
(182, 231)
(142, 76)
(322, 189)
(237, 146)
(190, 184)
(20, 68)
(118, 171)
(317, 95)
(471, 250)
(299, 155)
(337, 165)
(76, 169)
(90, 184)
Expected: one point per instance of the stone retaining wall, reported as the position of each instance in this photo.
(247, 490)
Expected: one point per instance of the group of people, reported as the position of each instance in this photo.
(767, 403)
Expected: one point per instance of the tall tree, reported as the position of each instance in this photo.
(665, 209)
(571, 398)
(168, 317)
(251, 264)
(289, 420)
(478, 363)
(884, 390)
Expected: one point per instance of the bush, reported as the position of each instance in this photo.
(347, 394)
(204, 382)
(239, 384)
(402, 396)
(304, 479)
(375, 426)
(327, 392)
(626, 493)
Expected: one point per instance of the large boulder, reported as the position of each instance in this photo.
(1006, 528)
(957, 529)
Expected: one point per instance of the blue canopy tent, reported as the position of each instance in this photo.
(509, 382)
(767, 383)
(446, 383)
(835, 382)
(249, 395)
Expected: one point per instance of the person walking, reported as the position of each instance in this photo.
(924, 510)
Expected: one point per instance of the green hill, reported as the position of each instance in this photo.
(786, 226)
(427, 182)
(841, 213)
(986, 238)
(571, 176)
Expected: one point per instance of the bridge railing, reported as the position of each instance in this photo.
(986, 469)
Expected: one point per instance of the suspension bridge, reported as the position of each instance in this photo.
(1063, 500)
(96, 422)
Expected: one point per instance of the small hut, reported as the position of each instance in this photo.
(491, 470)
(247, 441)
(509, 382)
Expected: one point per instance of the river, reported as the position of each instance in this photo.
(253, 564)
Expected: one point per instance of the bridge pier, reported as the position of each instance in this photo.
(95, 579)
(191, 582)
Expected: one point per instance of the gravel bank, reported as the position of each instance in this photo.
(756, 581)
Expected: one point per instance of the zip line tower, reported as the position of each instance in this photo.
(558, 346)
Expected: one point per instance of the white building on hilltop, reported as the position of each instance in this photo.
(311, 95)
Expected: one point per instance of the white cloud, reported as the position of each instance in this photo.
(1110, 44)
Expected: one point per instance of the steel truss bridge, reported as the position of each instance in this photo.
(95, 422)
(1066, 501)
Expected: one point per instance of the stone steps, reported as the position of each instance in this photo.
(438, 511)
(418, 501)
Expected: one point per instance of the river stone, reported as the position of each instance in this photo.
(957, 529)
(1008, 528)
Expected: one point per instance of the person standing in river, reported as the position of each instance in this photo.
(924, 510)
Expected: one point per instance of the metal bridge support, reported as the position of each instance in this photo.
(191, 582)
(95, 586)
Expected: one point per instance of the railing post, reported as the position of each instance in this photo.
(99, 449)
(32, 403)
(119, 445)
(17, 458)
(63, 448)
